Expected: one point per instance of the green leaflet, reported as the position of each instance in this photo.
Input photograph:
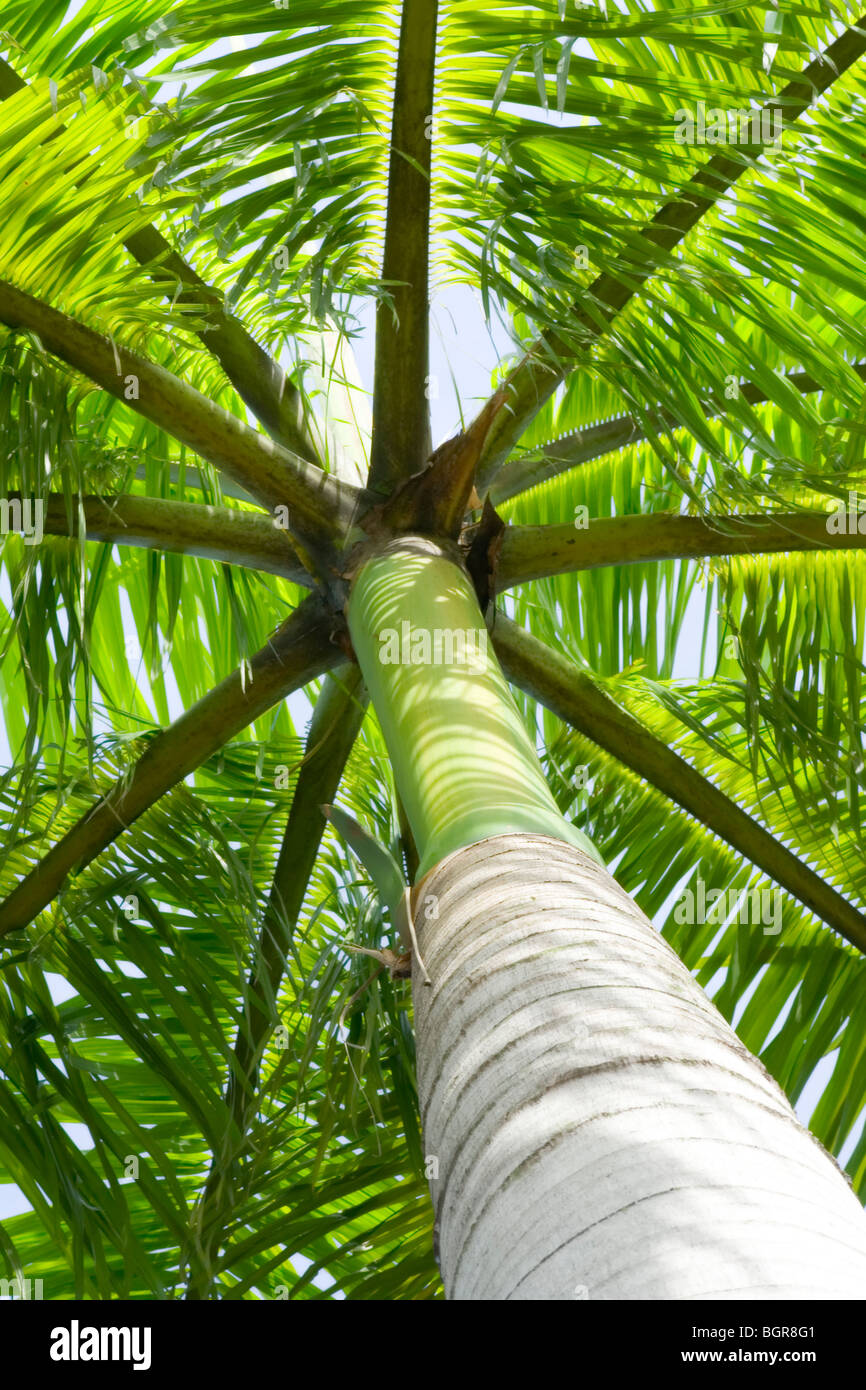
(378, 861)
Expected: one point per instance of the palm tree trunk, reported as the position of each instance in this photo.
(598, 1129)
(593, 1128)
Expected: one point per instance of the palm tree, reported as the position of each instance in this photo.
(207, 1088)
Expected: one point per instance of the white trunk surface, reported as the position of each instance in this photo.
(600, 1130)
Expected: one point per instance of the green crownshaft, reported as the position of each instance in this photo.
(464, 764)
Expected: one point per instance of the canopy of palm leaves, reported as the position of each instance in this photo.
(196, 206)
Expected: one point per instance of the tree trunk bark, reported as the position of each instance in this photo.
(595, 1128)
